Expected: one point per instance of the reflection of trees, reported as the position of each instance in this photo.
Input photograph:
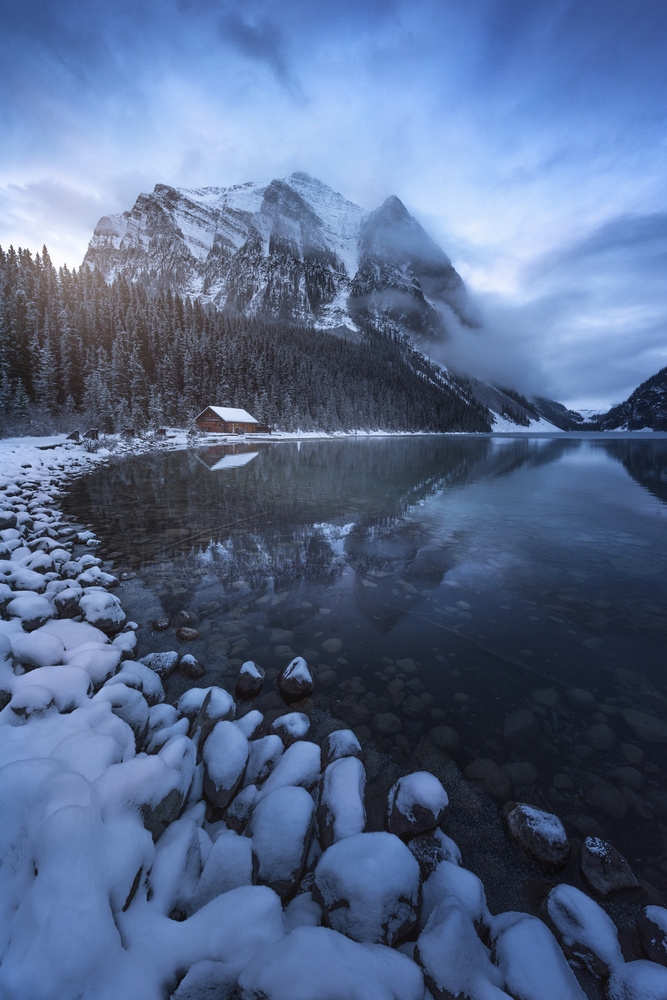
(276, 517)
(645, 461)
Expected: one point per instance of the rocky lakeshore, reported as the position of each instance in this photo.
(205, 848)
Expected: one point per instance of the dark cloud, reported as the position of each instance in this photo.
(263, 41)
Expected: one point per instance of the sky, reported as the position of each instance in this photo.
(529, 137)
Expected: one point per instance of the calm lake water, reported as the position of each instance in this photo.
(463, 577)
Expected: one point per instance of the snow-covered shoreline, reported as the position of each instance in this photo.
(196, 850)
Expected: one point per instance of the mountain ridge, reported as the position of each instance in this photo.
(291, 249)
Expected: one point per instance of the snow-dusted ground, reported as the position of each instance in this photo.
(152, 851)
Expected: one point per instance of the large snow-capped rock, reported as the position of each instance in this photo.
(292, 249)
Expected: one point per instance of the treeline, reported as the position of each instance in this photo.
(75, 351)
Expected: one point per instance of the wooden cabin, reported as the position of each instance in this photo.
(226, 420)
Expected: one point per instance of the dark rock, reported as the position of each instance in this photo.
(489, 777)
(604, 868)
(387, 724)
(187, 634)
(520, 727)
(581, 700)
(645, 727)
(351, 711)
(521, 773)
(159, 624)
(191, 668)
(540, 834)
(446, 739)
(600, 737)
(601, 795)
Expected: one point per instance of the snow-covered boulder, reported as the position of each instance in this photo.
(539, 833)
(450, 881)
(340, 743)
(281, 827)
(291, 727)
(32, 610)
(299, 765)
(155, 787)
(250, 724)
(416, 803)
(454, 960)
(66, 602)
(208, 980)
(341, 811)
(368, 887)
(139, 676)
(296, 681)
(175, 873)
(37, 649)
(532, 964)
(68, 688)
(228, 866)
(315, 962)
(263, 756)
(587, 934)
(100, 660)
(652, 927)
(216, 706)
(431, 848)
(129, 705)
(604, 868)
(225, 756)
(163, 664)
(250, 679)
(640, 980)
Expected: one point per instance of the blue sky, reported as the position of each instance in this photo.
(528, 137)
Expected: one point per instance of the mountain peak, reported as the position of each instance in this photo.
(293, 249)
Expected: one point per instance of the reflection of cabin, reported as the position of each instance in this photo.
(227, 456)
(226, 420)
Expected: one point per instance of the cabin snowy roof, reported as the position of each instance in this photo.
(230, 414)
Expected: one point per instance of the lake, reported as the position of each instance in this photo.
(507, 595)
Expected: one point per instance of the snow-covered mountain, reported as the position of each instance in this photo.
(292, 249)
(644, 409)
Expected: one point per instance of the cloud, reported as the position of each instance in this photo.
(263, 41)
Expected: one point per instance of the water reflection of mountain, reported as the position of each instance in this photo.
(289, 511)
(645, 461)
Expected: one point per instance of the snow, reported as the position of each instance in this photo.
(37, 649)
(317, 962)
(502, 425)
(262, 758)
(582, 922)
(531, 962)
(421, 788)
(449, 880)
(454, 959)
(293, 724)
(342, 797)
(228, 866)
(378, 877)
(225, 756)
(280, 829)
(299, 765)
(640, 980)
(230, 414)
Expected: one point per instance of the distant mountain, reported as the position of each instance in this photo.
(557, 414)
(644, 409)
(292, 250)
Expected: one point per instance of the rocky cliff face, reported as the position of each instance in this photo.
(293, 249)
